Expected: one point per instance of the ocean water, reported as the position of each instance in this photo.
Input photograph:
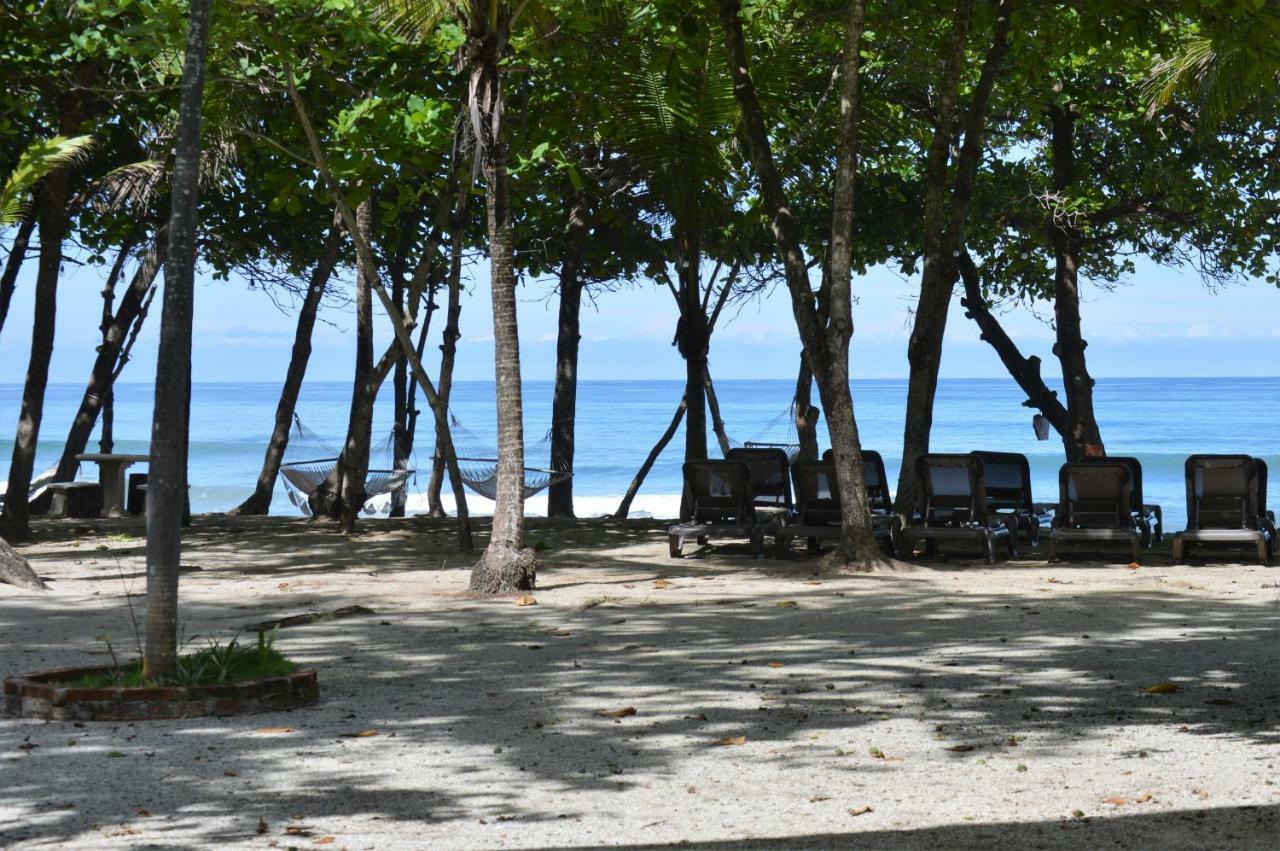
(1160, 421)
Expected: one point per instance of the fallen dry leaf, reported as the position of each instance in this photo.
(624, 712)
(363, 734)
(731, 740)
(230, 773)
(297, 830)
(786, 604)
(325, 840)
(1115, 800)
(274, 730)
(960, 748)
(562, 633)
(143, 813)
(1143, 798)
(661, 583)
(816, 798)
(860, 811)
(262, 825)
(526, 600)
(1162, 688)
(1133, 565)
(812, 582)
(775, 664)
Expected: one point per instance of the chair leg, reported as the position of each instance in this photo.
(1053, 549)
(988, 547)
(813, 545)
(1177, 549)
(1262, 550)
(781, 544)
(674, 545)
(1135, 543)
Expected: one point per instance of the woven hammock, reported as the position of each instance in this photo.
(319, 460)
(478, 464)
(778, 433)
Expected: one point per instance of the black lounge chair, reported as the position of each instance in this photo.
(1226, 504)
(955, 507)
(1008, 479)
(818, 509)
(1150, 517)
(877, 482)
(721, 505)
(770, 475)
(1095, 504)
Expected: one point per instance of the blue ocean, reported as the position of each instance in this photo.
(1161, 421)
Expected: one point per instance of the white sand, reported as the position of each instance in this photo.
(485, 712)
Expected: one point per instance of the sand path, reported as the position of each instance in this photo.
(963, 705)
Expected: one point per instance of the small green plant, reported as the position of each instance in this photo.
(215, 664)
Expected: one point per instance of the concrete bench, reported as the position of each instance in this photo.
(75, 499)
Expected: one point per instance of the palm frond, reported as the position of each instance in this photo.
(416, 19)
(38, 161)
(130, 186)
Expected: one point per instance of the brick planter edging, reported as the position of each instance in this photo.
(43, 695)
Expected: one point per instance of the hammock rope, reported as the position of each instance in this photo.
(774, 436)
(310, 460)
(478, 463)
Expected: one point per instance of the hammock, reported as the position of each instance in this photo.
(478, 463)
(774, 436)
(317, 460)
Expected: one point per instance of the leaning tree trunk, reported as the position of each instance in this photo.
(717, 422)
(353, 463)
(167, 479)
(16, 570)
(506, 564)
(826, 343)
(102, 377)
(449, 340)
(924, 349)
(564, 401)
(17, 253)
(1024, 370)
(1082, 438)
(624, 507)
(54, 221)
(806, 415)
(259, 502)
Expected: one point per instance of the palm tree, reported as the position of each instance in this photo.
(167, 482)
(1220, 74)
(506, 564)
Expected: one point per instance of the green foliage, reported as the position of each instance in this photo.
(215, 664)
(38, 160)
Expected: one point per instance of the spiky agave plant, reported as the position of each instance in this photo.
(40, 159)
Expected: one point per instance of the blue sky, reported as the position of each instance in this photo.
(1161, 323)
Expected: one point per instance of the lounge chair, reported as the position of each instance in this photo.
(1008, 480)
(1095, 504)
(818, 509)
(1226, 504)
(877, 482)
(955, 507)
(770, 475)
(721, 505)
(1150, 517)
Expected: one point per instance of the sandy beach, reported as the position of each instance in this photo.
(952, 705)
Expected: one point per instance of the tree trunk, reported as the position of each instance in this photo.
(506, 564)
(924, 350)
(564, 401)
(449, 339)
(259, 502)
(17, 253)
(16, 570)
(353, 463)
(102, 377)
(717, 422)
(806, 415)
(1082, 437)
(106, 439)
(53, 221)
(167, 474)
(1024, 370)
(826, 348)
(693, 345)
(624, 507)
